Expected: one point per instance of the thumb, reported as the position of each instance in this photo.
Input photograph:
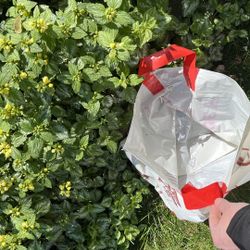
(221, 204)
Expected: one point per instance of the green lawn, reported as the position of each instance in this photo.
(166, 232)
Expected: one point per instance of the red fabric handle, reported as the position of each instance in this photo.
(164, 57)
(199, 198)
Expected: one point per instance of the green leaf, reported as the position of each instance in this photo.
(15, 153)
(5, 126)
(35, 48)
(96, 9)
(41, 205)
(134, 80)
(76, 86)
(104, 71)
(123, 18)
(13, 57)
(85, 60)
(36, 12)
(79, 156)
(90, 75)
(189, 7)
(78, 33)
(126, 43)
(74, 231)
(84, 142)
(147, 36)
(112, 146)
(47, 137)
(114, 3)
(66, 79)
(73, 70)
(18, 139)
(92, 107)
(144, 5)
(107, 101)
(35, 147)
(26, 127)
(123, 55)
(107, 37)
(7, 72)
(72, 4)
(34, 245)
(28, 4)
(129, 94)
(16, 96)
(106, 202)
(121, 240)
(47, 183)
(60, 131)
(98, 181)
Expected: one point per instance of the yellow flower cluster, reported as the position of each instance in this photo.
(110, 14)
(9, 242)
(46, 83)
(39, 128)
(23, 75)
(57, 149)
(5, 44)
(3, 242)
(3, 134)
(40, 56)
(5, 186)
(22, 10)
(5, 149)
(5, 89)
(43, 173)
(27, 226)
(65, 189)
(40, 24)
(26, 186)
(15, 211)
(10, 111)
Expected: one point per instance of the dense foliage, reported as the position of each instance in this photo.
(67, 84)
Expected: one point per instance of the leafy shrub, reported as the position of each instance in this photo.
(67, 84)
(210, 25)
(65, 88)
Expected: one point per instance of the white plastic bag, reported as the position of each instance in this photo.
(189, 136)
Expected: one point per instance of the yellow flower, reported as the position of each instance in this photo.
(46, 80)
(5, 149)
(5, 186)
(41, 25)
(5, 90)
(23, 75)
(65, 189)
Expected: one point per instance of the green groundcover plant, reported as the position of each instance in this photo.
(67, 84)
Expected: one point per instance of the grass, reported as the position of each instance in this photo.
(164, 231)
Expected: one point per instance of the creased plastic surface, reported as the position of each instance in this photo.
(180, 137)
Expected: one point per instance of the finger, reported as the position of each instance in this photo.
(214, 217)
(221, 204)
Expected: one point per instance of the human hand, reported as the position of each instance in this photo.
(221, 214)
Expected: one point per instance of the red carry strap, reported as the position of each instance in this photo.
(195, 198)
(164, 57)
